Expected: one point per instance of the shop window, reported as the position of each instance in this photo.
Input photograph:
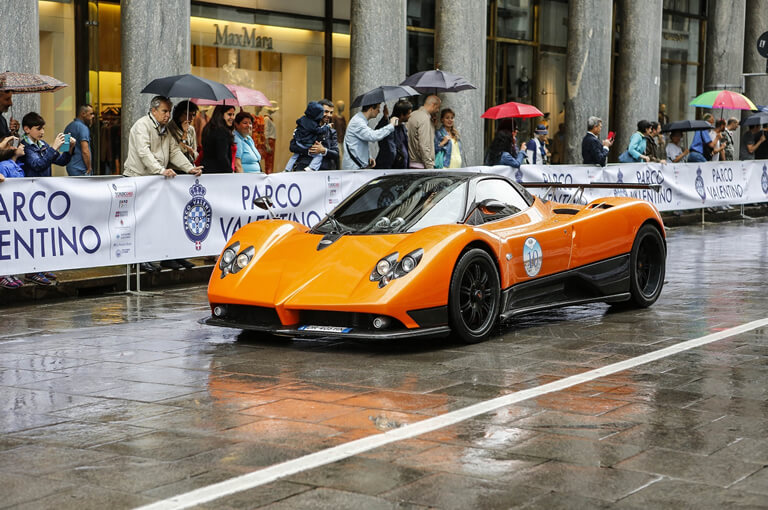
(514, 19)
(420, 51)
(420, 13)
(679, 65)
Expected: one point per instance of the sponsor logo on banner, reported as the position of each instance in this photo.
(197, 215)
(620, 192)
(699, 183)
(764, 180)
(519, 175)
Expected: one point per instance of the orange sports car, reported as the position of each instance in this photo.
(431, 253)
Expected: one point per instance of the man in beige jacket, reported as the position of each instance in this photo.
(421, 134)
(151, 147)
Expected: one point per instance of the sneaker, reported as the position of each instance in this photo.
(50, 276)
(38, 278)
(9, 282)
(17, 280)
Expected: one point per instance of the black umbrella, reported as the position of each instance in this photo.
(383, 94)
(757, 119)
(687, 125)
(187, 85)
(432, 82)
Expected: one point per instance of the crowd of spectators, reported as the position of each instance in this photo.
(182, 139)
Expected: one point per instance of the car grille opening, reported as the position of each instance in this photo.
(356, 320)
(255, 315)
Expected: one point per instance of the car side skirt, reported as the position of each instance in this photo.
(607, 280)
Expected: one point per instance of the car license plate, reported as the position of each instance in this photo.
(326, 329)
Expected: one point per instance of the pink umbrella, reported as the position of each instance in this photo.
(511, 110)
(243, 97)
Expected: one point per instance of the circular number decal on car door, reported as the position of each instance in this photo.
(532, 256)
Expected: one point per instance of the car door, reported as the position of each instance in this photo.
(535, 244)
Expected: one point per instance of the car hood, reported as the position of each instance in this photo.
(288, 270)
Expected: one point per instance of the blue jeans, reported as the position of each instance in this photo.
(696, 157)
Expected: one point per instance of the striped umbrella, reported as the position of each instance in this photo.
(723, 99)
(27, 83)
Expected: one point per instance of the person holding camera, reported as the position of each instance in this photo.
(38, 155)
(358, 135)
(593, 151)
(81, 162)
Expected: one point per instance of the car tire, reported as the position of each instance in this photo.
(474, 296)
(647, 266)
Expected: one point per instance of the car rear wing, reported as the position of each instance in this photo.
(577, 195)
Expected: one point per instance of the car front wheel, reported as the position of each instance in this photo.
(474, 296)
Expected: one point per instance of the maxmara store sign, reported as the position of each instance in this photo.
(242, 38)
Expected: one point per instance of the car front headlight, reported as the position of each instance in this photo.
(243, 258)
(408, 263)
(229, 255)
(389, 268)
(384, 267)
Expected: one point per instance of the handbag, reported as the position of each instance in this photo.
(440, 159)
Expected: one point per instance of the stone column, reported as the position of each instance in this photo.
(588, 70)
(756, 23)
(638, 69)
(20, 26)
(155, 43)
(460, 49)
(377, 45)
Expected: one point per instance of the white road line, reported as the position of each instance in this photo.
(346, 450)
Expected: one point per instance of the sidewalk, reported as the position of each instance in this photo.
(101, 280)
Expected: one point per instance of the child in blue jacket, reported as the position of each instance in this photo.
(38, 155)
(10, 168)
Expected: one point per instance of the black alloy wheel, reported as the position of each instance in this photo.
(647, 266)
(474, 296)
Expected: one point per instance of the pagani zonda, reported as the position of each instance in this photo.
(430, 253)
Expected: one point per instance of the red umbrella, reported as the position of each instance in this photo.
(243, 97)
(512, 110)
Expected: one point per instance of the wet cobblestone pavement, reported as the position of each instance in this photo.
(121, 401)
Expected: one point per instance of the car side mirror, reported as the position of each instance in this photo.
(265, 202)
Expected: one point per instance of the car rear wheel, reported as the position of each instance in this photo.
(474, 296)
(647, 266)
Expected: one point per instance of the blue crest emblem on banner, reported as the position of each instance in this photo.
(197, 215)
(764, 180)
(620, 192)
(700, 185)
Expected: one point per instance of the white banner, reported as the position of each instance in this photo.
(59, 223)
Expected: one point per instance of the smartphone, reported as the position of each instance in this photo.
(611, 135)
(15, 142)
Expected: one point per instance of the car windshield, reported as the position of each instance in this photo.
(395, 204)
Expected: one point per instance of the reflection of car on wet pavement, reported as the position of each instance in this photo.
(430, 253)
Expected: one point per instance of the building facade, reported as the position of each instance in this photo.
(621, 60)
